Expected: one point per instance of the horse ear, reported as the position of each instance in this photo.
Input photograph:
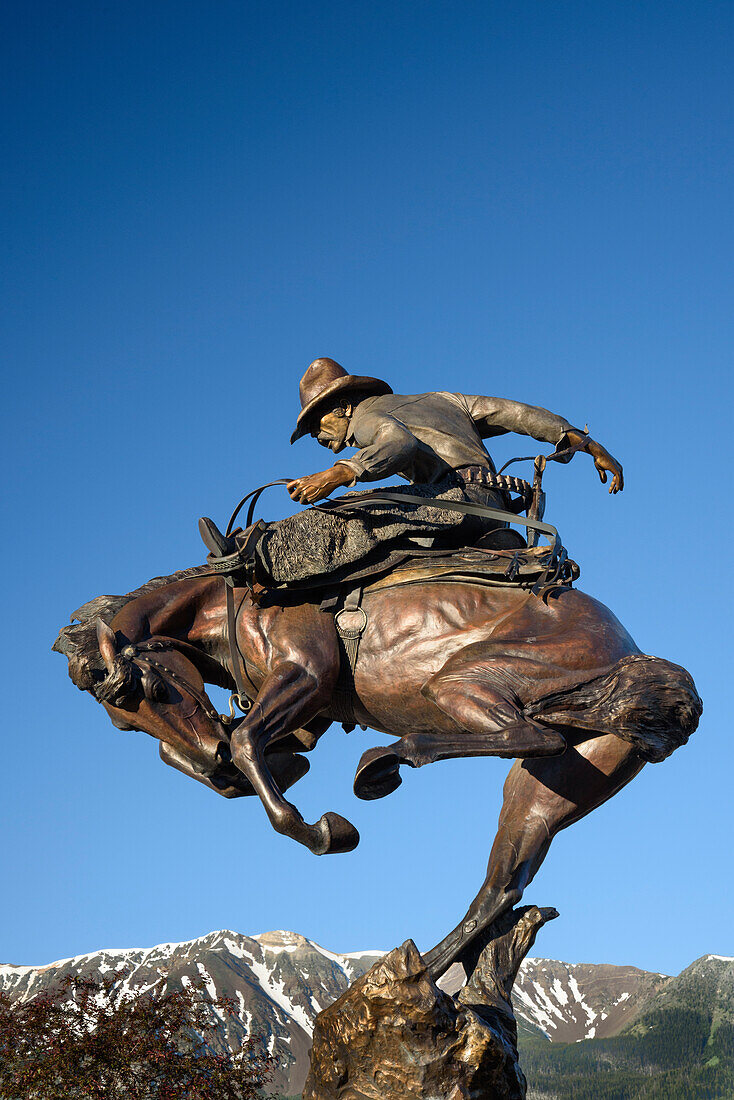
(107, 644)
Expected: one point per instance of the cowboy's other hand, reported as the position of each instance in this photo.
(605, 463)
(307, 490)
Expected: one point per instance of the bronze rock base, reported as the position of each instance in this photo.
(394, 1035)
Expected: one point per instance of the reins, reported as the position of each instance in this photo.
(255, 494)
(140, 653)
(237, 661)
(483, 510)
(533, 522)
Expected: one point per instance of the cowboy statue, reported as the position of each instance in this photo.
(423, 615)
(433, 440)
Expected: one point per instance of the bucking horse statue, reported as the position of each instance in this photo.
(421, 614)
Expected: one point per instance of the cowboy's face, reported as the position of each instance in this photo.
(332, 429)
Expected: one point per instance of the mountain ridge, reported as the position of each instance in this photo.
(280, 980)
(678, 1046)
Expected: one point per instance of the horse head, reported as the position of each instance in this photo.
(155, 687)
(125, 677)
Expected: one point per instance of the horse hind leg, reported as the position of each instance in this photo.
(641, 710)
(477, 689)
(541, 797)
(489, 722)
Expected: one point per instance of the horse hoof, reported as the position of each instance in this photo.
(378, 774)
(336, 835)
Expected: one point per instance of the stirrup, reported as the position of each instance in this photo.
(231, 565)
(239, 562)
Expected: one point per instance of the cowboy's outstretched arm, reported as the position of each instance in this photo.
(387, 446)
(313, 487)
(496, 416)
(603, 461)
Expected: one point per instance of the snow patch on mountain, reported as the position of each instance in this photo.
(279, 981)
(276, 991)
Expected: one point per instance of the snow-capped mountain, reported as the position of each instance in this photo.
(280, 981)
(679, 1043)
(568, 1002)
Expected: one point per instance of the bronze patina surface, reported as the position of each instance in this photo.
(449, 668)
(394, 1033)
(475, 652)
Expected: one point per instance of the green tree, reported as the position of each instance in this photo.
(88, 1040)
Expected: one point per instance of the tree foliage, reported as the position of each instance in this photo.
(88, 1039)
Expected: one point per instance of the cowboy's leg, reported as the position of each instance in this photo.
(317, 541)
(314, 543)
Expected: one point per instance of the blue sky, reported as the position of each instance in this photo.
(524, 199)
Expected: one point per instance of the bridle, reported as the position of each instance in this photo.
(140, 653)
(534, 502)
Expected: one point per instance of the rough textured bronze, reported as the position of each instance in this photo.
(394, 1034)
(451, 668)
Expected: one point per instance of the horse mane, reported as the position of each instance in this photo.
(78, 641)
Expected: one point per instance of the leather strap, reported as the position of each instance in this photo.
(350, 623)
(234, 653)
(141, 653)
(255, 495)
(483, 510)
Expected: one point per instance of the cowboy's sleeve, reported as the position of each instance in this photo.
(386, 447)
(497, 416)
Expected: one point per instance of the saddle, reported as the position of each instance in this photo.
(538, 569)
(505, 568)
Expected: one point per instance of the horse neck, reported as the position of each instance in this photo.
(181, 611)
(193, 612)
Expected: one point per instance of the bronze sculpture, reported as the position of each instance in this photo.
(455, 637)
(433, 440)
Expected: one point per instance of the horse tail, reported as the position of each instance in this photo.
(649, 702)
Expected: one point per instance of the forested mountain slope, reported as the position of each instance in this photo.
(680, 1046)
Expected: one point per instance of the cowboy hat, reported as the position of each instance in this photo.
(323, 379)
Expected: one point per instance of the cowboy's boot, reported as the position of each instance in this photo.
(231, 555)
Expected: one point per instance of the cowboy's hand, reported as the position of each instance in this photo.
(605, 463)
(307, 490)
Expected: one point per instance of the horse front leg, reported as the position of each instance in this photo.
(229, 782)
(289, 697)
(541, 797)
